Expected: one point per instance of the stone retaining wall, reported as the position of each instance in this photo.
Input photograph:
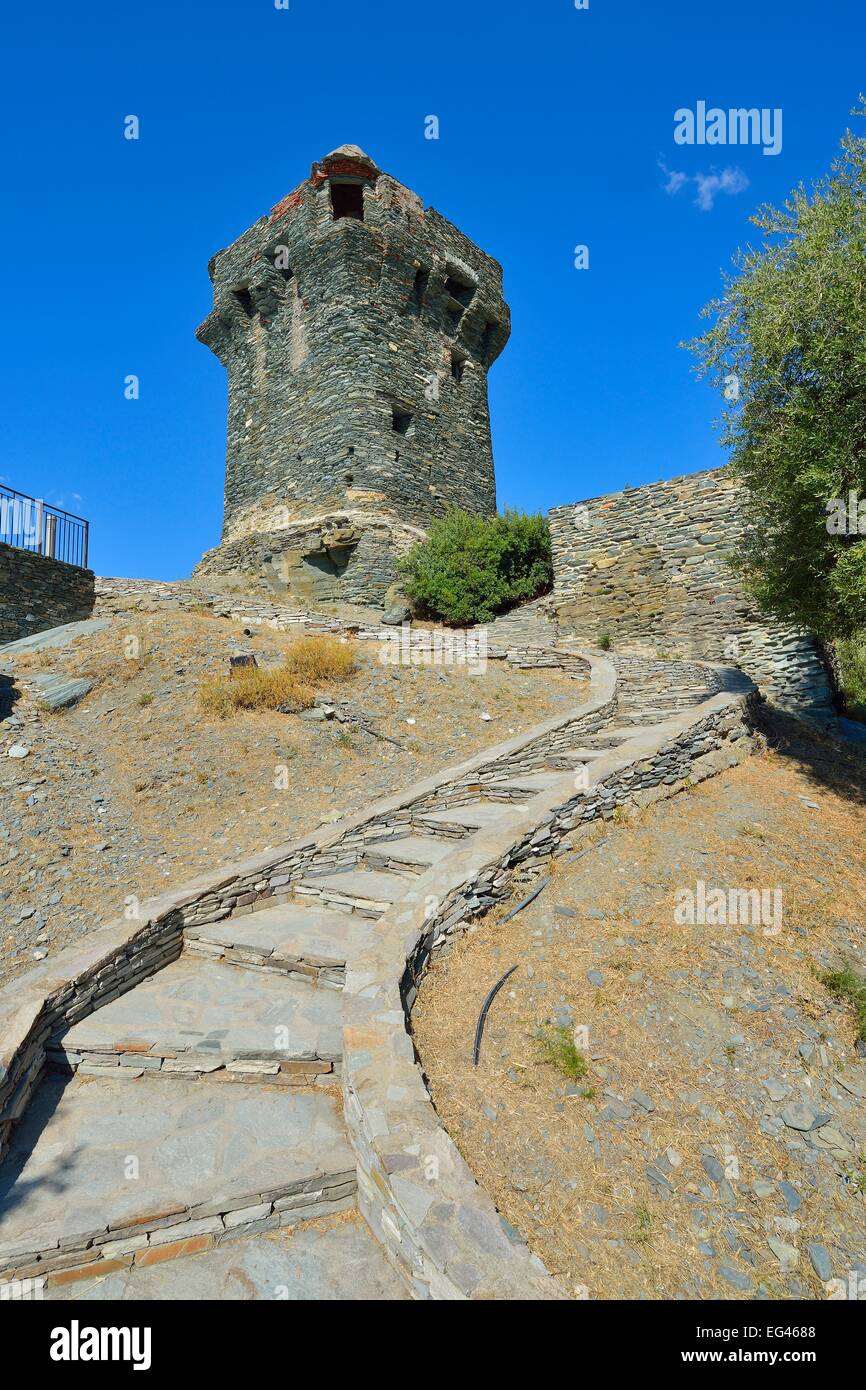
(649, 567)
(132, 1062)
(37, 592)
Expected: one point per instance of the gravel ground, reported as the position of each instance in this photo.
(133, 789)
(715, 1144)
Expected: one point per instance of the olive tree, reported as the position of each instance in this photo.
(787, 348)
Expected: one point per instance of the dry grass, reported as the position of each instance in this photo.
(535, 1159)
(291, 686)
(35, 661)
(254, 688)
(321, 659)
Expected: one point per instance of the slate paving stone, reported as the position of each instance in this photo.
(423, 850)
(328, 1263)
(475, 816)
(292, 930)
(532, 782)
(67, 1170)
(196, 1005)
(364, 885)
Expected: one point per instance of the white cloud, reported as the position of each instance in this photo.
(675, 180)
(709, 186)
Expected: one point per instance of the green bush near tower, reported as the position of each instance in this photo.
(472, 567)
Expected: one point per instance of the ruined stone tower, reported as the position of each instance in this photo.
(357, 328)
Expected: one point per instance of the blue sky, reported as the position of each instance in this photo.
(554, 123)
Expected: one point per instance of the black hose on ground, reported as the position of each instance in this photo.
(482, 1016)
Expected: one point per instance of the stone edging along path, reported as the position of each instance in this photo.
(437, 1225)
(447, 1233)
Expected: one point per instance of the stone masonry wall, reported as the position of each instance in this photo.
(648, 567)
(357, 348)
(37, 593)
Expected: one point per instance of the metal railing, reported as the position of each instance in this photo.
(31, 524)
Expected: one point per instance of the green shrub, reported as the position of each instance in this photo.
(471, 567)
(558, 1049)
(851, 656)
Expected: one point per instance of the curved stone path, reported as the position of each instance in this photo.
(186, 1093)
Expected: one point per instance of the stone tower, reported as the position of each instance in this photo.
(357, 328)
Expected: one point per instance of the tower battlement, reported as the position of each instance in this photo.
(357, 328)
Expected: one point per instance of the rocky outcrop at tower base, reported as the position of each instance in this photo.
(345, 557)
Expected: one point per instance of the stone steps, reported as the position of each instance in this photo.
(475, 815)
(408, 854)
(366, 891)
(656, 702)
(611, 738)
(523, 784)
(570, 758)
(104, 1173)
(204, 1018)
(643, 714)
(662, 696)
(311, 942)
